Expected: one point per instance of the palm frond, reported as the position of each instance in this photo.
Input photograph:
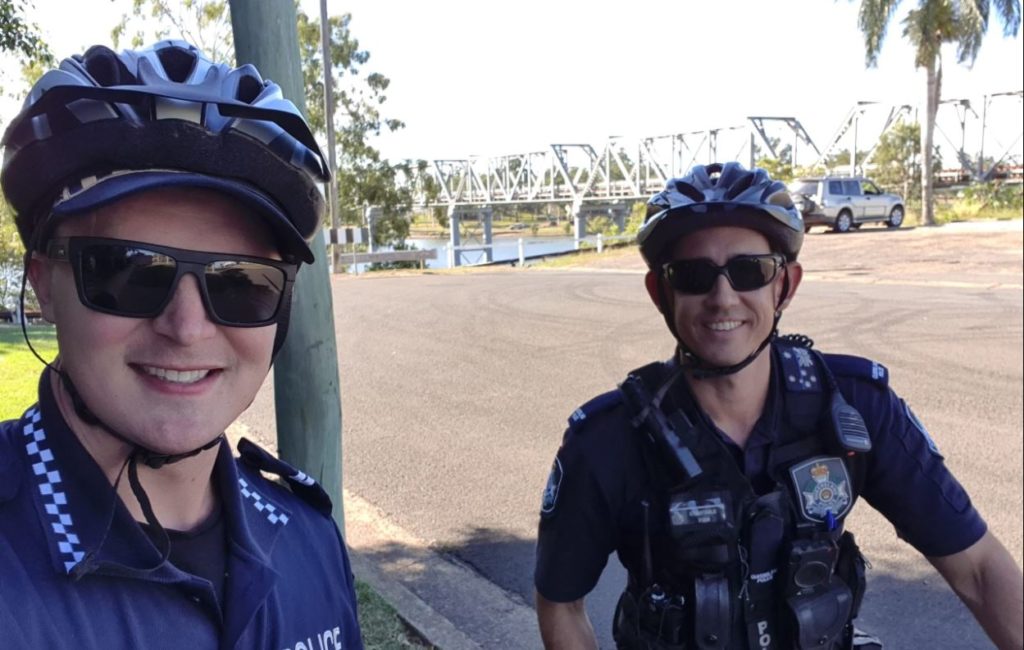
(873, 20)
(927, 27)
(1009, 13)
(971, 25)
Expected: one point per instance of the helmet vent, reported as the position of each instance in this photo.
(178, 63)
(689, 191)
(106, 68)
(740, 186)
(249, 88)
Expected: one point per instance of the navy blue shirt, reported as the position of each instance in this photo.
(593, 503)
(289, 583)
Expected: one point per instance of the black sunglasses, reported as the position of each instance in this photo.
(137, 280)
(744, 272)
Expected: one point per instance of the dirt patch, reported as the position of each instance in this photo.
(969, 253)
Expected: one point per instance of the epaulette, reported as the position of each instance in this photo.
(845, 365)
(799, 369)
(601, 403)
(300, 483)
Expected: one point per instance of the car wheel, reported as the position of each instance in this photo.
(895, 219)
(844, 221)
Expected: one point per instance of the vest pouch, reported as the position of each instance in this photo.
(652, 621)
(852, 568)
(820, 616)
(712, 612)
(703, 530)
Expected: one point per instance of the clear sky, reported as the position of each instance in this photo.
(472, 77)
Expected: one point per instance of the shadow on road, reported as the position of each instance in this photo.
(906, 613)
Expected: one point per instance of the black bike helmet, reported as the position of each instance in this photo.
(721, 195)
(106, 125)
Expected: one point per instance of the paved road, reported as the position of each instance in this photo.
(456, 387)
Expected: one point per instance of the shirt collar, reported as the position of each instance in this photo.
(76, 503)
(765, 429)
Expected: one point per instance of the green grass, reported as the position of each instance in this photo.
(945, 214)
(587, 255)
(19, 368)
(19, 377)
(381, 627)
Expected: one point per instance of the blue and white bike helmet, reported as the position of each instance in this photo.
(721, 195)
(105, 125)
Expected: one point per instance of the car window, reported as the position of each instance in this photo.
(851, 188)
(870, 188)
(835, 187)
(809, 188)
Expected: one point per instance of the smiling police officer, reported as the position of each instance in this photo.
(723, 477)
(165, 203)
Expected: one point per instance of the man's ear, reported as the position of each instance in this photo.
(651, 281)
(40, 276)
(795, 272)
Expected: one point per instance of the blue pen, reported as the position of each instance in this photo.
(830, 520)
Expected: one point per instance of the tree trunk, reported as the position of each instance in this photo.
(934, 72)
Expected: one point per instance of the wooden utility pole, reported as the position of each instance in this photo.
(332, 187)
(306, 392)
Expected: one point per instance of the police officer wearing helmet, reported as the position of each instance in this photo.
(723, 477)
(165, 203)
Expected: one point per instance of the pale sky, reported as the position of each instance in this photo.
(489, 78)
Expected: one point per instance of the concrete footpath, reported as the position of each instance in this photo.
(468, 610)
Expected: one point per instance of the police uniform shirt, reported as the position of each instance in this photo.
(289, 583)
(600, 480)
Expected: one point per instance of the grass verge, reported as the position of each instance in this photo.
(19, 368)
(382, 629)
(19, 376)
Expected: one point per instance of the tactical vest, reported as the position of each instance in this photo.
(740, 570)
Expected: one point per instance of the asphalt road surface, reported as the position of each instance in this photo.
(456, 387)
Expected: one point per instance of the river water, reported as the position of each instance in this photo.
(504, 248)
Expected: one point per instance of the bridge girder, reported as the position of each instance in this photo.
(634, 168)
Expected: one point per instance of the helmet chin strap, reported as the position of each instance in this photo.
(700, 368)
(148, 457)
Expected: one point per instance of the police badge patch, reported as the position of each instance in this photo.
(547, 505)
(920, 427)
(823, 487)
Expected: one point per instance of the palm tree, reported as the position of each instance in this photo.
(931, 24)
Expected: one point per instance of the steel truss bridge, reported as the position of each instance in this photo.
(607, 180)
(623, 170)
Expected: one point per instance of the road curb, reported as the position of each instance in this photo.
(447, 602)
(421, 617)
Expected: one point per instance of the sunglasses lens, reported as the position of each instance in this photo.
(692, 276)
(125, 279)
(749, 273)
(243, 292)
(697, 277)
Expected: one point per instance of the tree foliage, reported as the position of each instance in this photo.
(362, 176)
(19, 36)
(928, 27)
(896, 166)
(11, 261)
(203, 23)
